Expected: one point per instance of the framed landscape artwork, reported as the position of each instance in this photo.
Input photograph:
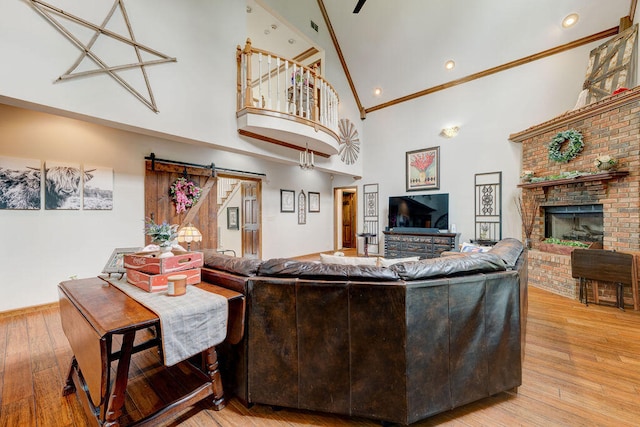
(423, 169)
(20, 183)
(97, 191)
(62, 184)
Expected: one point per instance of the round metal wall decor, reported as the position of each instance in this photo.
(349, 142)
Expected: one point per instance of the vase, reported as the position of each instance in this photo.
(165, 252)
(605, 166)
(423, 176)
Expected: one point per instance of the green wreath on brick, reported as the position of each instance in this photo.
(574, 147)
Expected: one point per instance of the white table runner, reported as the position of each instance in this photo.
(189, 323)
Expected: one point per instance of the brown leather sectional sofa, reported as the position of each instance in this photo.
(396, 344)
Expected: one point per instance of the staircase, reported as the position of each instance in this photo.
(226, 187)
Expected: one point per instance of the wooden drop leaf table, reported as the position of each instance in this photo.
(93, 313)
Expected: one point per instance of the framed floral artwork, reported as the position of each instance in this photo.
(233, 214)
(314, 202)
(423, 169)
(287, 201)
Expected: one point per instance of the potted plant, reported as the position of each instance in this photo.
(605, 162)
(565, 247)
(162, 235)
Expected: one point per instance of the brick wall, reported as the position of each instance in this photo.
(610, 126)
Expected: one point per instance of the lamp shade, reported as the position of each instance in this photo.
(189, 234)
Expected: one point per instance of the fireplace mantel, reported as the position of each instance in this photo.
(604, 105)
(603, 176)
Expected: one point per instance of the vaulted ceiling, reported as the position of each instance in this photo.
(401, 46)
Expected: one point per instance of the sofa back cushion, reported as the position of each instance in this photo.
(241, 266)
(283, 267)
(483, 262)
(509, 250)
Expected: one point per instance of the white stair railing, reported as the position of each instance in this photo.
(269, 82)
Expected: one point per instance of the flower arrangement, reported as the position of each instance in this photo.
(605, 162)
(575, 145)
(298, 77)
(184, 194)
(162, 234)
(526, 175)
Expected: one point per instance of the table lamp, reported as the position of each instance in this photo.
(189, 234)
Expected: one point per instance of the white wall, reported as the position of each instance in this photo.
(196, 96)
(44, 247)
(487, 110)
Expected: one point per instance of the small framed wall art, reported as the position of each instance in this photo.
(314, 202)
(302, 208)
(115, 264)
(423, 169)
(232, 218)
(287, 201)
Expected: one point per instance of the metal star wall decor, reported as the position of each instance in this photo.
(50, 12)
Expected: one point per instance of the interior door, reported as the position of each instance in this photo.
(348, 220)
(251, 219)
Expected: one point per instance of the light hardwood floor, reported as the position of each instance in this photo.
(582, 368)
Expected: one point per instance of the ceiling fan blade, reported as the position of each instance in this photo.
(359, 6)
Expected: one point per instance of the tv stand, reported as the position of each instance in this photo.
(402, 244)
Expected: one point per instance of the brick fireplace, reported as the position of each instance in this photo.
(609, 127)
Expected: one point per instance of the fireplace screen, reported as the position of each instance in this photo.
(579, 222)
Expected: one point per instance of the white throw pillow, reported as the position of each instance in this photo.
(470, 247)
(348, 260)
(384, 262)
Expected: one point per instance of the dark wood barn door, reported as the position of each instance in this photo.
(158, 205)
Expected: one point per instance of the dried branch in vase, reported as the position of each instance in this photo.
(528, 210)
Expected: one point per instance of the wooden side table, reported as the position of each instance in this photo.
(92, 313)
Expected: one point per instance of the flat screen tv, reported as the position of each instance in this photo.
(420, 211)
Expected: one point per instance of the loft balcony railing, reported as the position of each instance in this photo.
(280, 86)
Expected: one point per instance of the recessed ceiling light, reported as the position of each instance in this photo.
(570, 20)
(267, 31)
(274, 27)
(292, 41)
(249, 10)
(377, 91)
(450, 64)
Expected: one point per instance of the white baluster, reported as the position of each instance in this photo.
(269, 82)
(260, 79)
(278, 83)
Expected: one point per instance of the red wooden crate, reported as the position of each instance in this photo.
(148, 262)
(159, 282)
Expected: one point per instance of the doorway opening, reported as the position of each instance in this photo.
(239, 216)
(346, 218)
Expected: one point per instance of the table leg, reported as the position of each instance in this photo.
(620, 295)
(117, 397)
(211, 361)
(69, 386)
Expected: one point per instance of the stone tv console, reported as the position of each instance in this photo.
(408, 242)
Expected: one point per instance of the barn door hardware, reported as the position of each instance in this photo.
(186, 168)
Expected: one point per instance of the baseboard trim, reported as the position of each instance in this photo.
(28, 310)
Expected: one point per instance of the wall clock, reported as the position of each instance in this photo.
(349, 142)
